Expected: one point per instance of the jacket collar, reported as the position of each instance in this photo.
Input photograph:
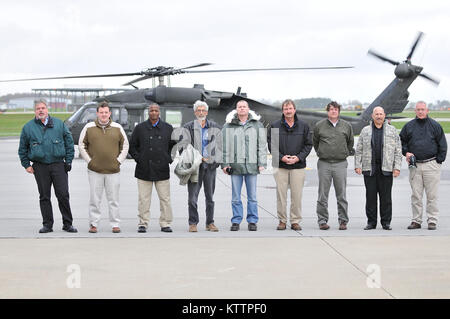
(101, 125)
(232, 117)
(49, 122)
(283, 121)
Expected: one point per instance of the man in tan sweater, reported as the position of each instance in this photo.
(103, 144)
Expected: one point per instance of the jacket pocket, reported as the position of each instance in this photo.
(58, 148)
(36, 152)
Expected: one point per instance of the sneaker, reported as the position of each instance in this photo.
(281, 226)
(369, 227)
(234, 227)
(93, 229)
(431, 226)
(343, 226)
(324, 226)
(116, 230)
(193, 228)
(166, 229)
(296, 226)
(142, 229)
(212, 227)
(252, 227)
(414, 225)
(387, 227)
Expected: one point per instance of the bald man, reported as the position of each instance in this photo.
(379, 158)
(424, 139)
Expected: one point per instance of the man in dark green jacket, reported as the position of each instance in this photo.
(48, 143)
(333, 143)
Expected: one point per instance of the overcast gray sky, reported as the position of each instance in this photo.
(58, 38)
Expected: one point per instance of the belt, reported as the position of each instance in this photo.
(426, 160)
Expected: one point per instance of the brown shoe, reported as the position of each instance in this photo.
(93, 229)
(431, 226)
(343, 226)
(212, 227)
(193, 228)
(324, 226)
(414, 225)
(116, 230)
(296, 226)
(281, 226)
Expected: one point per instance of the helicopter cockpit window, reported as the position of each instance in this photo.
(119, 115)
(89, 115)
(174, 117)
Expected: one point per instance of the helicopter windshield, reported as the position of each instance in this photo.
(73, 118)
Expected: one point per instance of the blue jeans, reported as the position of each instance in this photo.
(236, 203)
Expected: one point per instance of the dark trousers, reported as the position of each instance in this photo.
(378, 185)
(47, 175)
(207, 178)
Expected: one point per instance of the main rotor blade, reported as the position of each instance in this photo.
(196, 66)
(74, 77)
(145, 77)
(429, 78)
(272, 69)
(381, 57)
(413, 48)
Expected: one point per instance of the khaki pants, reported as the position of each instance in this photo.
(293, 179)
(426, 178)
(110, 183)
(145, 197)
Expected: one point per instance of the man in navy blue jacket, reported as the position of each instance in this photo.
(289, 141)
(424, 139)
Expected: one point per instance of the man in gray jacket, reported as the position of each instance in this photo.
(203, 134)
(333, 143)
(379, 158)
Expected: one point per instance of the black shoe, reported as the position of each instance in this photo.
(142, 229)
(387, 227)
(44, 230)
(369, 227)
(166, 229)
(234, 227)
(70, 229)
(252, 227)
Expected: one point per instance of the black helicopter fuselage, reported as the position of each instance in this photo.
(130, 108)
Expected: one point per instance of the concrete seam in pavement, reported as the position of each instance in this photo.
(326, 242)
(356, 267)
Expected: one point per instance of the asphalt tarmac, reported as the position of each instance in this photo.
(310, 263)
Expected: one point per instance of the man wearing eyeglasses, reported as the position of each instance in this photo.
(203, 134)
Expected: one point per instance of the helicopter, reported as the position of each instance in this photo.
(129, 108)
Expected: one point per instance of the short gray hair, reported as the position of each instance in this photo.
(200, 103)
(422, 102)
(40, 101)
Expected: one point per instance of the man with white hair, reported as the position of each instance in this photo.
(203, 134)
(423, 139)
(379, 158)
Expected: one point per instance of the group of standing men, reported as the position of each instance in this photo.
(240, 147)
